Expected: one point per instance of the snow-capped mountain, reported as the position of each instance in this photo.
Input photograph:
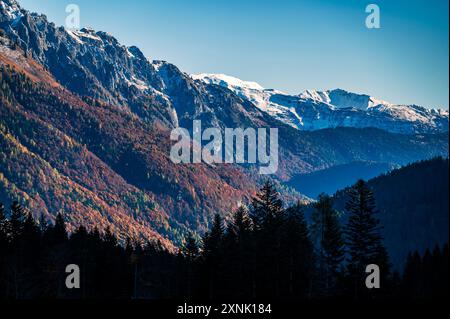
(312, 110)
(95, 64)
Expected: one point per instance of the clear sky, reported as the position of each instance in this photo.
(289, 45)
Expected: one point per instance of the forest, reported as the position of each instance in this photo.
(265, 251)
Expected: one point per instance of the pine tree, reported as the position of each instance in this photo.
(16, 220)
(191, 252)
(330, 244)
(4, 227)
(267, 207)
(43, 225)
(212, 254)
(238, 255)
(191, 249)
(30, 229)
(296, 253)
(109, 238)
(267, 215)
(240, 228)
(57, 233)
(212, 240)
(363, 239)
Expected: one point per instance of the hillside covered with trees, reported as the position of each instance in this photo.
(413, 207)
(264, 251)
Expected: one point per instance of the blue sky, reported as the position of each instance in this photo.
(289, 45)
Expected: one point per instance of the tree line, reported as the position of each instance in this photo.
(263, 251)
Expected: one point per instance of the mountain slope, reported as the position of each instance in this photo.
(413, 207)
(314, 110)
(336, 177)
(130, 156)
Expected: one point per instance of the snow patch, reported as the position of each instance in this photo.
(11, 10)
(312, 110)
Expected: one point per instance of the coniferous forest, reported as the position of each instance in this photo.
(265, 251)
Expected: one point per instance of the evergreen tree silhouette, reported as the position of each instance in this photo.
(267, 208)
(4, 249)
(267, 215)
(191, 252)
(296, 254)
(58, 232)
(43, 224)
(239, 255)
(363, 239)
(212, 255)
(4, 228)
(16, 220)
(329, 239)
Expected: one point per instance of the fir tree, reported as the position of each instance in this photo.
(239, 256)
(363, 238)
(296, 253)
(268, 215)
(330, 244)
(191, 252)
(43, 225)
(212, 254)
(267, 207)
(4, 227)
(16, 220)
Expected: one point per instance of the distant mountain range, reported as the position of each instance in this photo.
(313, 110)
(85, 129)
(332, 179)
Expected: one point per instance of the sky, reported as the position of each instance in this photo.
(289, 45)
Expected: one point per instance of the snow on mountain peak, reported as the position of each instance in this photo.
(227, 81)
(339, 98)
(313, 109)
(10, 10)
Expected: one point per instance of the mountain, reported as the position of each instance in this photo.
(336, 177)
(413, 206)
(95, 64)
(85, 128)
(313, 110)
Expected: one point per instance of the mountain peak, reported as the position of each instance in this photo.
(227, 81)
(341, 99)
(10, 11)
(312, 109)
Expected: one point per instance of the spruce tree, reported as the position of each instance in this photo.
(59, 229)
(267, 207)
(296, 253)
(212, 254)
(16, 220)
(212, 240)
(330, 244)
(267, 214)
(191, 249)
(364, 239)
(238, 254)
(191, 252)
(43, 225)
(241, 226)
(3, 227)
